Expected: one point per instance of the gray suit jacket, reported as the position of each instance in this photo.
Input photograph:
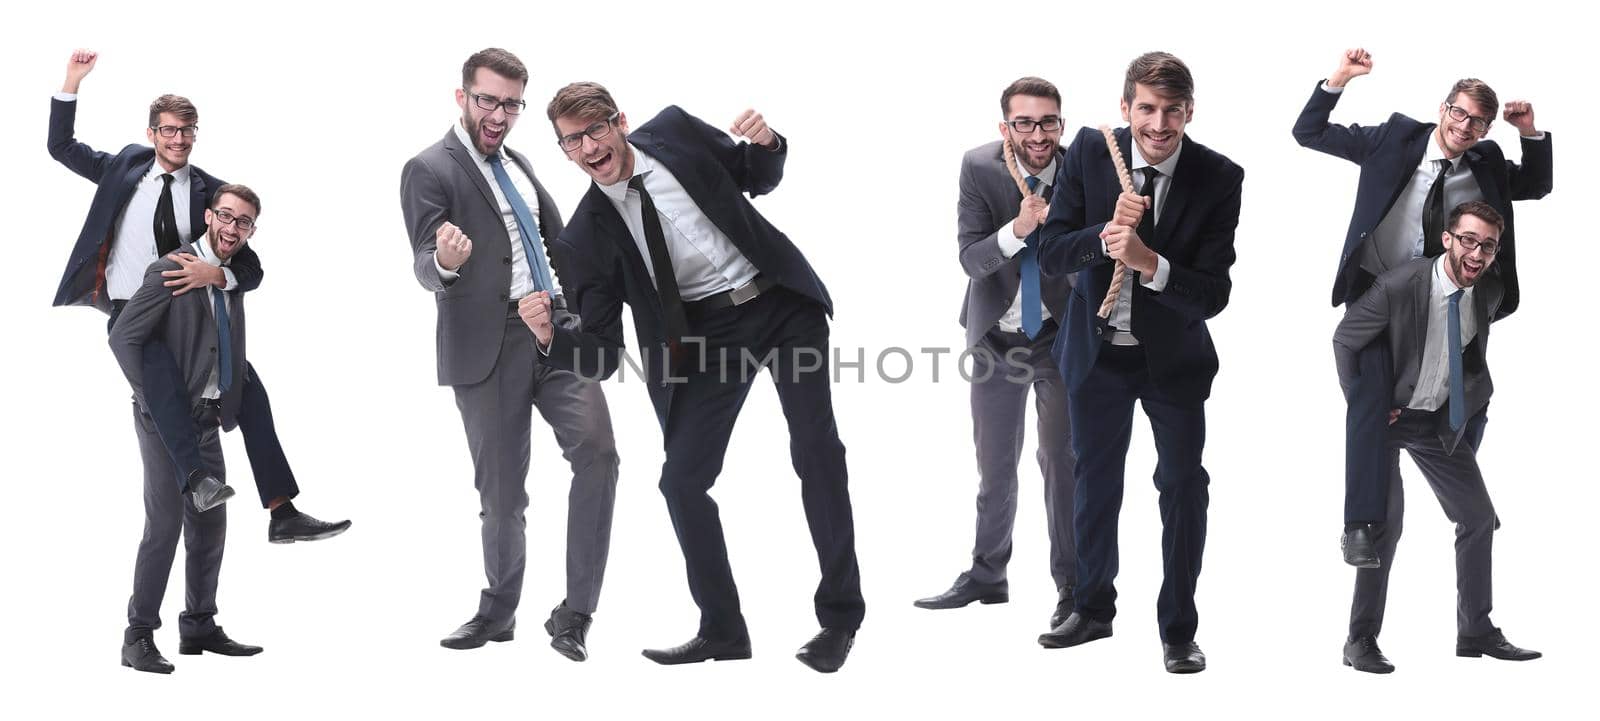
(186, 324)
(443, 183)
(1396, 307)
(989, 200)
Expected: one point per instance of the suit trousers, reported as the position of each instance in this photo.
(172, 415)
(786, 334)
(1102, 420)
(1458, 484)
(169, 512)
(1004, 367)
(498, 415)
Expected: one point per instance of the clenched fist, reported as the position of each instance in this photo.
(78, 66)
(1354, 63)
(1029, 216)
(451, 247)
(1520, 114)
(1130, 209)
(750, 125)
(535, 311)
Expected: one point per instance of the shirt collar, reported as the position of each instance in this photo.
(202, 247)
(1165, 167)
(1046, 177)
(1441, 280)
(642, 165)
(1437, 153)
(466, 141)
(179, 176)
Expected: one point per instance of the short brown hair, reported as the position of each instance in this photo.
(242, 192)
(1480, 210)
(175, 104)
(583, 100)
(501, 62)
(1162, 71)
(1479, 91)
(1030, 86)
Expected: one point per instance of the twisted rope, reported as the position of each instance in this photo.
(1120, 271)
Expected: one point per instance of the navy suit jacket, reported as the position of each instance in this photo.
(83, 281)
(601, 266)
(1389, 154)
(1195, 235)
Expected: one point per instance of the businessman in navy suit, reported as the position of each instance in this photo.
(1175, 236)
(1412, 174)
(148, 200)
(718, 294)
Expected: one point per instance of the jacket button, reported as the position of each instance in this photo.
(504, 297)
(1098, 330)
(213, 349)
(506, 260)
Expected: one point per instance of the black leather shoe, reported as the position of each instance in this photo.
(567, 629)
(303, 527)
(217, 643)
(1362, 654)
(700, 649)
(207, 492)
(1493, 645)
(478, 632)
(1359, 545)
(1183, 657)
(1064, 603)
(140, 654)
(1077, 629)
(826, 651)
(965, 591)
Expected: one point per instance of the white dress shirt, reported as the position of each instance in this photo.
(1010, 245)
(521, 275)
(704, 261)
(203, 248)
(133, 243)
(1122, 312)
(1433, 378)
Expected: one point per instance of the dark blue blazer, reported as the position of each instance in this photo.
(601, 266)
(1195, 235)
(83, 281)
(1389, 154)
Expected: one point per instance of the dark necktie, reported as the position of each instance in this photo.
(166, 222)
(1458, 388)
(1433, 215)
(1028, 261)
(677, 324)
(224, 341)
(532, 246)
(1147, 223)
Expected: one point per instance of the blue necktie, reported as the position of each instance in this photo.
(224, 341)
(1458, 389)
(1031, 317)
(532, 248)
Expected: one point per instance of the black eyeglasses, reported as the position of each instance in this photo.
(491, 103)
(1470, 242)
(1458, 114)
(1048, 123)
(168, 131)
(243, 222)
(596, 131)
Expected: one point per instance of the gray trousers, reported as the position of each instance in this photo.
(498, 415)
(999, 412)
(1458, 484)
(168, 512)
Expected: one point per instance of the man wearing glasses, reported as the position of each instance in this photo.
(1433, 315)
(479, 223)
(1411, 174)
(717, 294)
(1011, 315)
(148, 201)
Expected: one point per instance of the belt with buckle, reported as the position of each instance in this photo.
(738, 296)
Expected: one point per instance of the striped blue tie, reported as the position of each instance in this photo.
(1032, 319)
(224, 341)
(532, 247)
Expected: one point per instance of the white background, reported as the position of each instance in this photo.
(317, 107)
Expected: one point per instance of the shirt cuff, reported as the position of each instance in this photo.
(444, 275)
(1533, 138)
(229, 282)
(1007, 239)
(67, 97)
(1163, 269)
(1326, 88)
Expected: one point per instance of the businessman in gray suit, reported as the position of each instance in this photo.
(1434, 315)
(1010, 316)
(205, 332)
(479, 220)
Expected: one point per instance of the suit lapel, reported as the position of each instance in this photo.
(611, 227)
(469, 165)
(522, 162)
(199, 193)
(1183, 186)
(1422, 299)
(1484, 175)
(1409, 162)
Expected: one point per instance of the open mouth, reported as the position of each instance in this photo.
(491, 134)
(601, 165)
(1159, 140)
(1460, 137)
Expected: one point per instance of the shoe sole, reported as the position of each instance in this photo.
(1473, 653)
(222, 497)
(1185, 668)
(468, 646)
(313, 537)
(719, 657)
(1048, 641)
(147, 670)
(985, 600)
(1368, 670)
(571, 653)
